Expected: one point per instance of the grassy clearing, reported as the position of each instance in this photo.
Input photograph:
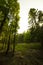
(24, 46)
(29, 54)
(21, 46)
(26, 54)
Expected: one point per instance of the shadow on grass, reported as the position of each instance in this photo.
(30, 57)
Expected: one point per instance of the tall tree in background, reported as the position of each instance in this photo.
(32, 20)
(36, 18)
(40, 20)
(32, 16)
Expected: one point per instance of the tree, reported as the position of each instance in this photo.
(36, 31)
(14, 13)
(4, 10)
(10, 10)
(35, 18)
(32, 20)
(32, 16)
(40, 20)
(40, 16)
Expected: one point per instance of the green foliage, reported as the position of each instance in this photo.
(9, 10)
(25, 46)
(40, 16)
(27, 37)
(9, 17)
(36, 31)
(32, 13)
(32, 16)
(20, 38)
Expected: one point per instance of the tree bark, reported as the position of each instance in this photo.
(8, 45)
(14, 43)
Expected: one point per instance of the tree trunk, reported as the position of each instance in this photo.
(8, 45)
(14, 43)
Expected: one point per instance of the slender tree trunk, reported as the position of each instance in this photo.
(8, 45)
(14, 43)
(14, 38)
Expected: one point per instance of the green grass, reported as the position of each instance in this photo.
(26, 54)
(30, 53)
(25, 46)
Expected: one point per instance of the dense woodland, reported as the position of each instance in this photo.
(9, 36)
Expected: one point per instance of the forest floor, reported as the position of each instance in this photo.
(25, 54)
